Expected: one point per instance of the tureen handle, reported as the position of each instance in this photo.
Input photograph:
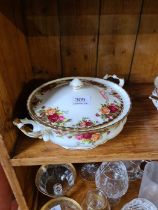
(35, 132)
(154, 95)
(156, 82)
(121, 80)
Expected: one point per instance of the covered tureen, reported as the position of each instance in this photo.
(77, 112)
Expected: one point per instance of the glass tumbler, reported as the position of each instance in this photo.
(139, 204)
(112, 179)
(149, 184)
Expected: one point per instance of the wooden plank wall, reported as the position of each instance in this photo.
(42, 26)
(145, 63)
(79, 24)
(118, 29)
(92, 38)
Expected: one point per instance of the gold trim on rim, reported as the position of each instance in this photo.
(57, 200)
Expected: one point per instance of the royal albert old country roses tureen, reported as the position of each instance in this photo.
(77, 112)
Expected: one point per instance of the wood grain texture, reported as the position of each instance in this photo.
(145, 64)
(42, 26)
(81, 187)
(26, 179)
(118, 29)
(79, 22)
(6, 126)
(13, 49)
(136, 141)
(15, 67)
(11, 176)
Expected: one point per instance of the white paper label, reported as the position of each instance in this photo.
(58, 207)
(81, 100)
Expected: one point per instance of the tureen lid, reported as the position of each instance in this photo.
(77, 103)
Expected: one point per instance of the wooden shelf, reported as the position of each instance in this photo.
(138, 140)
(78, 193)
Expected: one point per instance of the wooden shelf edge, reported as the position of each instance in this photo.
(51, 160)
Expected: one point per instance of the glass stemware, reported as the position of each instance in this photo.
(88, 171)
(95, 200)
(55, 180)
(112, 179)
(135, 168)
(139, 204)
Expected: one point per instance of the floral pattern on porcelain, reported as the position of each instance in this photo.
(108, 91)
(85, 122)
(53, 116)
(89, 137)
(108, 112)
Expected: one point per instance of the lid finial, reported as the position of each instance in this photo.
(76, 84)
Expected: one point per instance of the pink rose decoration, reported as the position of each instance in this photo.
(103, 94)
(113, 108)
(61, 118)
(79, 137)
(53, 117)
(86, 123)
(84, 136)
(110, 117)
